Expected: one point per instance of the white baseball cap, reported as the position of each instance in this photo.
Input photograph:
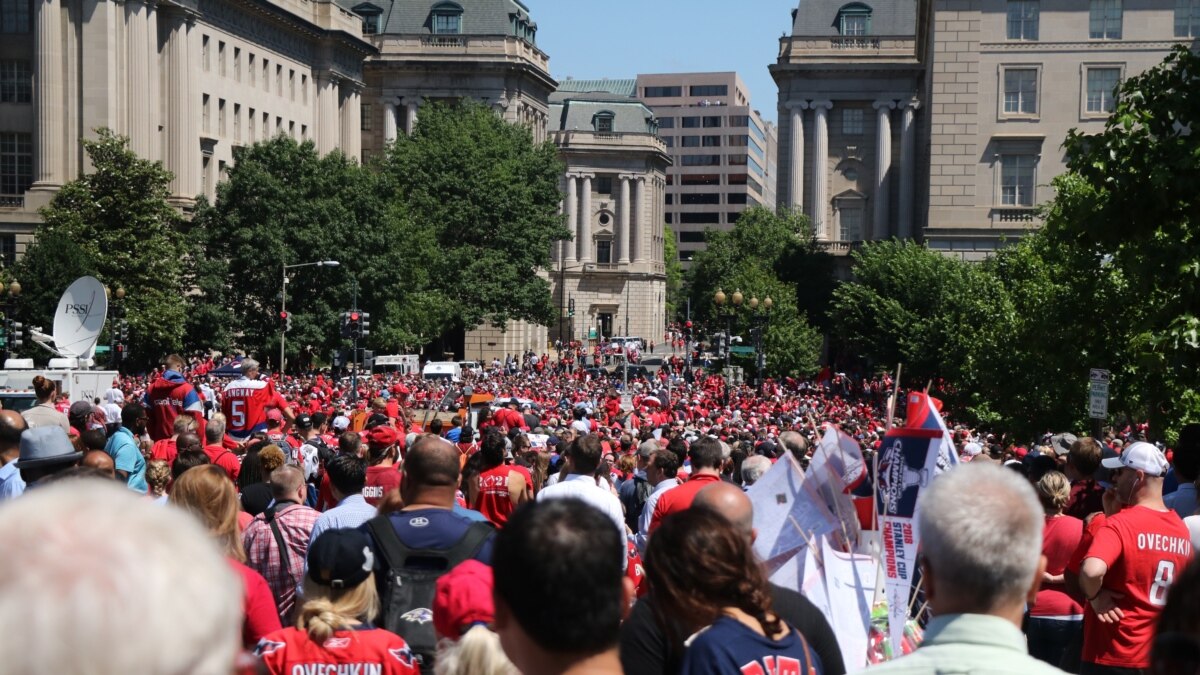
(1140, 456)
(341, 423)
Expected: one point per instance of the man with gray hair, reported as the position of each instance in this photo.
(978, 576)
(753, 468)
(795, 443)
(112, 565)
(246, 400)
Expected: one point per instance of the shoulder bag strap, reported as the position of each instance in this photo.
(284, 557)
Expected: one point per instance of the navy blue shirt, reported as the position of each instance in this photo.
(728, 646)
(437, 529)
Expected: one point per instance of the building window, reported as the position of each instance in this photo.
(266, 125)
(700, 160)
(689, 141)
(1104, 22)
(447, 18)
(1187, 18)
(710, 218)
(204, 52)
(711, 141)
(850, 222)
(16, 163)
(237, 64)
(691, 123)
(669, 141)
(735, 198)
(712, 122)
(15, 16)
(204, 179)
(854, 19)
(279, 80)
(365, 117)
(204, 112)
(602, 122)
(237, 122)
(604, 185)
(304, 132)
(1023, 19)
(852, 121)
(251, 70)
(738, 141)
(250, 122)
(604, 251)
(662, 92)
(1020, 91)
(1017, 179)
(736, 160)
(700, 198)
(16, 82)
(221, 117)
(292, 84)
(710, 90)
(8, 249)
(221, 58)
(266, 75)
(304, 88)
(292, 129)
(1101, 89)
(370, 18)
(669, 122)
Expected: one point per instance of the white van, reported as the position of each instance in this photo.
(442, 370)
(634, 342)
(404, 364)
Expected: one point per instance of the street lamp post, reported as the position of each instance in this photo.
(719, 299)
(10, 308)
(283, 305)
(562, 296)
(761, 319)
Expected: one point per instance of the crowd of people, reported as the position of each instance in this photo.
(311, 523)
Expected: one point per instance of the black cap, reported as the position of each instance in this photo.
(340, 558)
(303, 422)
(513, 401)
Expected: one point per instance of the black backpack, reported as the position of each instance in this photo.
(633, 510)
(408, 585)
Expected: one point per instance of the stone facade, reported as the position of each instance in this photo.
(186, 80)
(614, 188)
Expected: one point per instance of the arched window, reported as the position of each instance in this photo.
(854, 19)
(602, 122)
(370, 17)
(447, 18)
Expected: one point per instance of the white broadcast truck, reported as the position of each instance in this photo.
(77, 324)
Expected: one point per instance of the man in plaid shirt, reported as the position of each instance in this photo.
(285, 526)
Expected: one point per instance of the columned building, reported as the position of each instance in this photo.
(186, 80)
(612, 272)
(850, 83)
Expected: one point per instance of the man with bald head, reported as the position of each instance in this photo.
(11, 426)
(427, 523)
(101, 461)
(644, 648)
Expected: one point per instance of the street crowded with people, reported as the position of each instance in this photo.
(541, 516)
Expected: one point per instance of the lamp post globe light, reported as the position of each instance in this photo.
(283, 315)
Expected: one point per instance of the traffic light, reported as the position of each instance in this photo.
(122, 331)
(364, 325)
(355, 324)
(17, 335)
(285, 320)
(571, 307)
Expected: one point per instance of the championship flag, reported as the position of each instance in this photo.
(924, 412)
(907, 462)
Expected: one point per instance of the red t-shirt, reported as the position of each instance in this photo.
(258, 605)
(164, 450)
(380, 481)
(217, 454)
(1145, 550)
(1059, 541)
(680, 497)
(290, 651)
(493, 499)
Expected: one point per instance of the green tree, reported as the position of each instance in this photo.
(486, 198)
(675, 292)
(114, 223)
(749, 258)
(1131, 200)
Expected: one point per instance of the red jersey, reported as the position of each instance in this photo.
(371, 650)
(680, 497)
(493, 498)
(1145, 551)
(1059, 541)
(245, 403)
(380, 481)
(169, 397)
(217, 454)
(165, 450)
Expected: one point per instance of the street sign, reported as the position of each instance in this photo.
(1098, 380)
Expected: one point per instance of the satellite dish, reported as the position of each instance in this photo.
(79, 319)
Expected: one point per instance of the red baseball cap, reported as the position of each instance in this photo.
(383, 435)
(463, 598)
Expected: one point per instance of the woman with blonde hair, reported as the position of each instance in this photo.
(206, 492)
(1055, 619)
(332, 627)
(462, 615)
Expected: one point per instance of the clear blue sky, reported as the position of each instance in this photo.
(621, 38)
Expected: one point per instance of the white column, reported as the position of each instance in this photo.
(623, 218)
(883, 164)
(154, 149)
(48, 90)
(796, 198)
(137, 102)
(585, 221)
(410, 117)
(328, 126)
(572, 218)
(820, 178)
(908, 151)
(351, 142)
(642, 237)
(389, 123)
(182, 141)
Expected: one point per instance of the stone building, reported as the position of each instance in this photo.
(723, 152)
(186, 80)
(613, 270)
(943, 120)
(850, 79)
